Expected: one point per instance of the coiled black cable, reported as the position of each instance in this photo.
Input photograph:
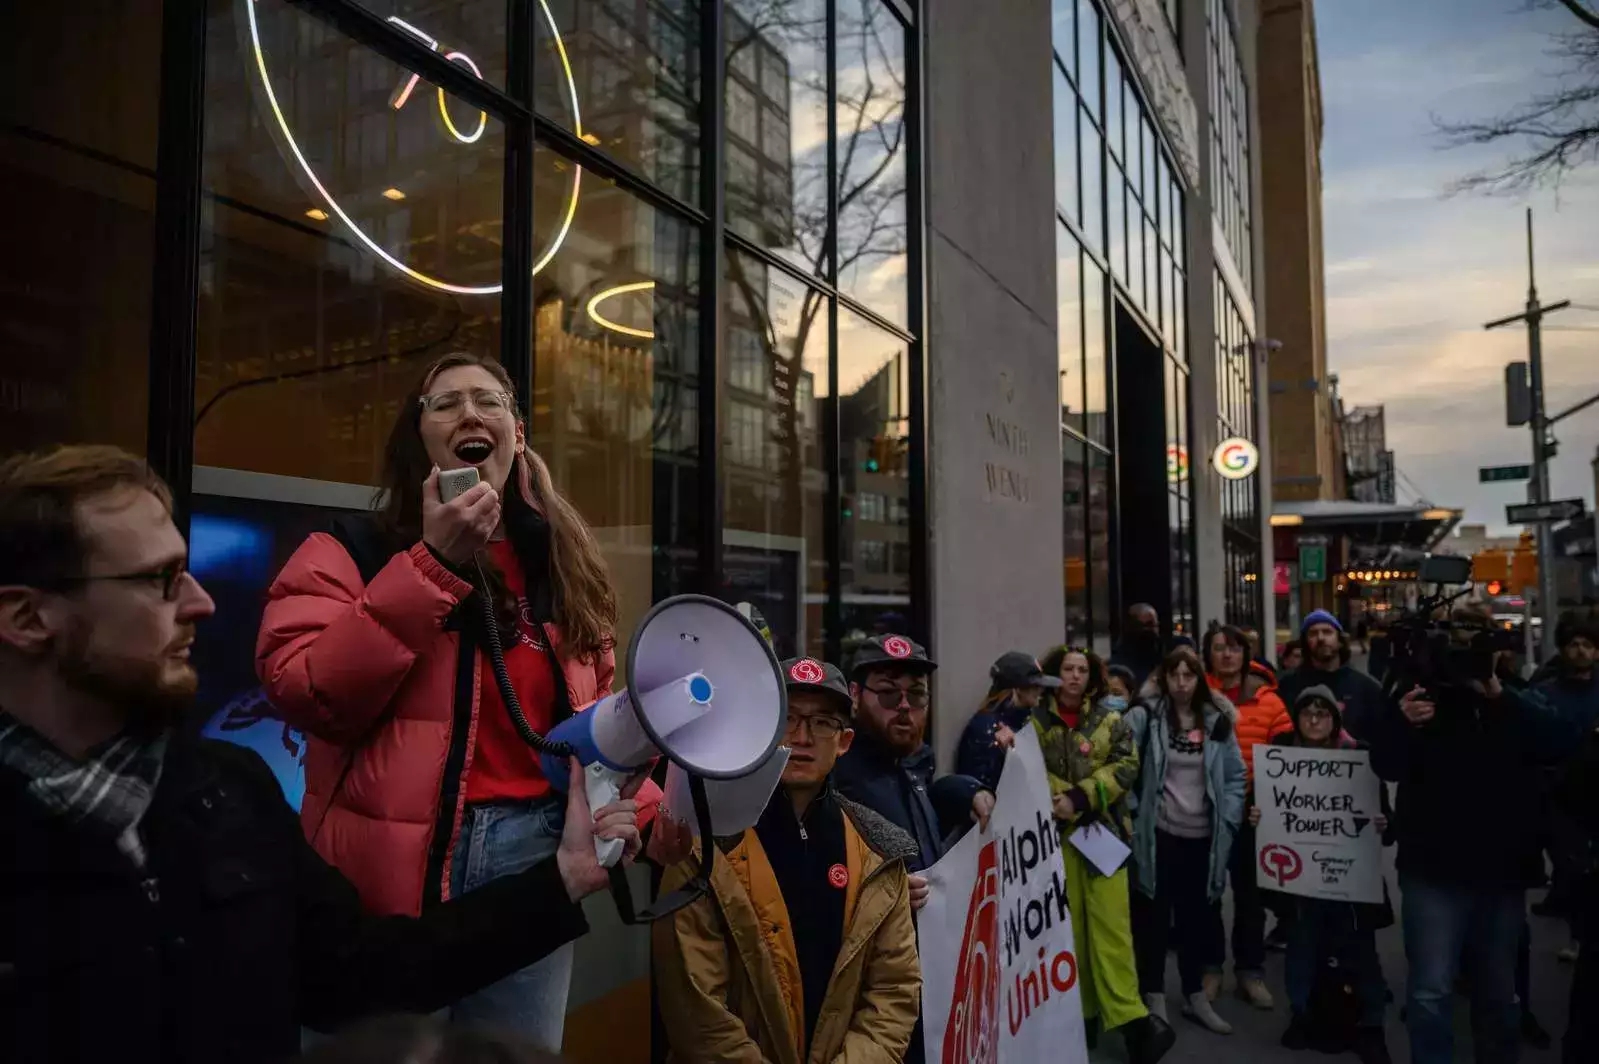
(502, 677)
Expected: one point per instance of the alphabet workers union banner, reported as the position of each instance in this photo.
(1317, 837)
(999, 970)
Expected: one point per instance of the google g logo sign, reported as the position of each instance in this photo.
(1176, 463)
(1235, 458)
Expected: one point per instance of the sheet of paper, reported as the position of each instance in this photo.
(1101, 847)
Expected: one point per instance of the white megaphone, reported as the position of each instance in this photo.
(703, 689)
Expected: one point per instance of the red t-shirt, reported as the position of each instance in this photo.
(504, 766)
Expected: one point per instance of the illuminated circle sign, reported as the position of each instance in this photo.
(1235, 458)
(401, 96)
(1176, 463)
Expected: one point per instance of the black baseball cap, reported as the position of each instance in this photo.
(810, 674)
(890, 651)
(1015, 669)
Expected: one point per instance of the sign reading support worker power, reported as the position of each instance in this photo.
(1317, 835)
(999, 970)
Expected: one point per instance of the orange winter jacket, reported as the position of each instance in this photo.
(1261, 713)
(384, 680)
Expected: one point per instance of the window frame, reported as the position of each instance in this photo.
(181, 199)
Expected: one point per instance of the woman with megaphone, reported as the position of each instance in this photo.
(422, 780)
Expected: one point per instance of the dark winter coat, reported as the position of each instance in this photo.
(902, 790)
(236, 934)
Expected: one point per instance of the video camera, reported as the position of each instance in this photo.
(1438, 651)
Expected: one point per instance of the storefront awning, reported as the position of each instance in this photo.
(1369, 523)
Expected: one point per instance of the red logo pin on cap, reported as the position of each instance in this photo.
(838, 875)
(897, 646)
(807, 670)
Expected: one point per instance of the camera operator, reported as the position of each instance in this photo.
(1462, 747)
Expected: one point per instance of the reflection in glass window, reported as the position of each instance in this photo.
(1095, 398)
(1230, 148)
(1069, 328)
(775, 460)
(1065, 146)
(599, 64)
(1088, 53)
(1101, 609)
(1113, 104)
(1063, 33)
(317, 310)
(75, 161)
(1093, 163)
(1074, 505)
(872, 149)
(777, 54)
(615, 408)
(874, 458)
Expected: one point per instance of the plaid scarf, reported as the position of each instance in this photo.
(108, 792)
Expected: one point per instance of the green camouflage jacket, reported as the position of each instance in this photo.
(1096, 763)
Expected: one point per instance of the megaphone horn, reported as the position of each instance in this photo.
(704, 689)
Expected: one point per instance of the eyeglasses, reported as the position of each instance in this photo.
(822, 727)
(169, 576)
(892, 697)
(490, 404)
(1315, 713)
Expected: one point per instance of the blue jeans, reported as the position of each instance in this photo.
(501, 839)
(1323, 931)
(1442, 923)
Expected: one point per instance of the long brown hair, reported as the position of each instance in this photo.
(584, 601)
(1203, 698)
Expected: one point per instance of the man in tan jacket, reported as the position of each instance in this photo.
(805, 952)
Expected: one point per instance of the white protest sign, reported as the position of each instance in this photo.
(996, 926)
(1317, 836)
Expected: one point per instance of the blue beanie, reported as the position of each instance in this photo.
(1316, 617)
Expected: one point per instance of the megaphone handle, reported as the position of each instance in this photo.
(697, 887)
(604, 786)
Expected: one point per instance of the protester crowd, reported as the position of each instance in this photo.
(163, 903)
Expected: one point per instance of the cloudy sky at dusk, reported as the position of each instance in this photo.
(1413, 272)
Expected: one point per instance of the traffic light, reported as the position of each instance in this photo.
(1495, 588)
(1490, 566)
(1523, 569)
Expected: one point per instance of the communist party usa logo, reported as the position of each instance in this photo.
(972, 1036)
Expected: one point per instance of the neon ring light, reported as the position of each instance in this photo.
(333, 204)
(611, 293)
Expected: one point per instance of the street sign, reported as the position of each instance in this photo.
(1531, 513)
(1495, 473)
(1312, 564)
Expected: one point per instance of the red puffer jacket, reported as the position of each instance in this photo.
(1261, 713)
(384, 681)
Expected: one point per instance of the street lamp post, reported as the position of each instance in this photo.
(1533, 316)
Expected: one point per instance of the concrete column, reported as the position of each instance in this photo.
(994, 409)
(1201, 236)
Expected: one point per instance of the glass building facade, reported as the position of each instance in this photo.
(1124, 369)
(686, 229)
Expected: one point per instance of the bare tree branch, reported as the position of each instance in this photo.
(1553, 133)
(1576, 8)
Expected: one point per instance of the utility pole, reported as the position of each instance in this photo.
(1539, 488)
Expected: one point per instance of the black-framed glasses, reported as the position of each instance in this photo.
(892, 697)
(491, 404)
(169, 577)
(822, 726)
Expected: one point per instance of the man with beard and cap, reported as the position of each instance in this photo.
(161, 902)
(1326, 663)
(889, 768)
(1139, 647)
(752, 972)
